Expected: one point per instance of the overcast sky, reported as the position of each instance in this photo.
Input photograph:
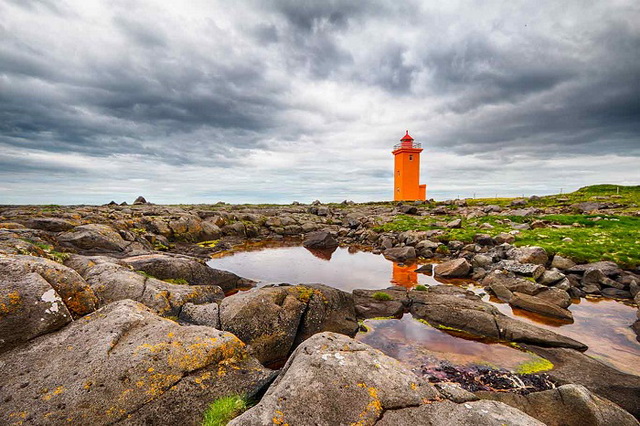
(275, 101)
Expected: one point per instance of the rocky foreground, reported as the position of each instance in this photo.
(109, 315)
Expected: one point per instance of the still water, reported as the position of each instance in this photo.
(602, 324)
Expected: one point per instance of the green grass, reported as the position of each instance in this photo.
(614, 237)
(420, 287)
(223, 410)
(379, 295)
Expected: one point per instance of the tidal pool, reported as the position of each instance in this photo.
(602, 324)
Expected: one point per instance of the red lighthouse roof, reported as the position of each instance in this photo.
(406, 137)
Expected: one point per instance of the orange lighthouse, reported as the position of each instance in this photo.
(406, 174)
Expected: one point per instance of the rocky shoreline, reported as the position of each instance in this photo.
(110, 315)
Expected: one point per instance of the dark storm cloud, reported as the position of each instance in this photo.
(288, 87)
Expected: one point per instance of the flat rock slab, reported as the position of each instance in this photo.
(540, 306)
(571, 366)
(567, 405)
(94, 238)
(117, 281)
(192, 270)
(121, 363)
(333, 380)
(447, 413)
(460, 309)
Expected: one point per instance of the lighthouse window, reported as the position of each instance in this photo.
(411, 158)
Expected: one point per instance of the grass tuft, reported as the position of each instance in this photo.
(382, 296)
(224, 409)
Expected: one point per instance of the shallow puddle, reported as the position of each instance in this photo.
(602, 324)
(421, 346)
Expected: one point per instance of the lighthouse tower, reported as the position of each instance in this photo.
(406, 173)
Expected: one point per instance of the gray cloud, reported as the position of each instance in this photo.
(271, 101)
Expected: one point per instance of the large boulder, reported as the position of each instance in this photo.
(570, 366)
(332, 379)
(189, 269)
(400, 254)
(113, 280)
(75, 293)
(94, 238)
(457, 268)
(124, 364)
(273, 320)
(448, 413)
(457, 308)
(319, 240)
(29, 307)
(567, 405)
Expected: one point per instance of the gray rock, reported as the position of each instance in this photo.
(447, 413)
(535, 255)
(570, 366)
(454, 392)
(456, 223)
(567, 405)
(139, 200)
(508, 280)
(369, 307)
(94, 238)
(400, 254)
(608, 268)
(29, 307)
(124, 364)
(192, 270)
(587, 206)
(457, 268)
(555, 296)
(273, 320)
(112, 282)
(320, 240)
(332, 379)
(504, 237)
(483, 240)
(207, 314)
(562, 263)
(540, 306)
(51, 224)
(525, 269)
(455, 307)
(68, 284)
(551, 277)
(481, 261)
(615, 293)
(405, 209)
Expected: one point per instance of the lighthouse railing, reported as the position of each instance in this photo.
(409, 145)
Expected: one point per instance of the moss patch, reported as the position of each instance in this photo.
(534, 366)
(382, 296)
